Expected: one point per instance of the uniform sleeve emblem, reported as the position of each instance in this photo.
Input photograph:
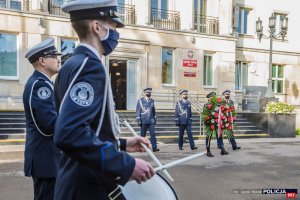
(82, 93)
(44, 93)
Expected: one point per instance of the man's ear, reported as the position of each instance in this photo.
(95, 26)
(41, 61)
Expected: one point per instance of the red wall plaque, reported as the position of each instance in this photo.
(189, 63)
(189, 74)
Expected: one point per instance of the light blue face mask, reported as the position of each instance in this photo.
(110, 42)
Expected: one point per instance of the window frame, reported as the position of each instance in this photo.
(212, 68)
(199, 10)
(162, 14)
(173, 68)
(278, 22)
(8, 5)
(240, 64)
(241, 20)
(17, 77)
(66, 38)
(276, 79)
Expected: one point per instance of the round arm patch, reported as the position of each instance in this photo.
(44, 92)
(82, 93)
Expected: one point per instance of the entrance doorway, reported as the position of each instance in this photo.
(118, 77)
(123, 76)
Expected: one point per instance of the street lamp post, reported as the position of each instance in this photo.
(259, 30)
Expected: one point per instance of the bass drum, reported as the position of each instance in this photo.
(157, 188)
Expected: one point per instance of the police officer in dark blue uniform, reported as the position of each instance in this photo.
(230, 103)
(146, 117)
(183, 119)
(41, 155)
(87, 129)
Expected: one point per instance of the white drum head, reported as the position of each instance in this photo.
(154, 189)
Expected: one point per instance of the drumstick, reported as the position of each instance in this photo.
(149, 152)
(177, 162)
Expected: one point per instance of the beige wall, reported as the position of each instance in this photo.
(144, 44)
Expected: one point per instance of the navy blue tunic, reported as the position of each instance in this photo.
(183, 113)
(41, 155)
(91, 164)
(145, 111)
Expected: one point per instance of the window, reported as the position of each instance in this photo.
(8, 56)
(11, 4)
(243, 20)
(162, 6)
(54, 7)
(121, 2)
(159, 4)
(208, 71)
(200, 15)
(241, 75)
(277, 78)
(167, 66)
(67, 47)
(279, 20)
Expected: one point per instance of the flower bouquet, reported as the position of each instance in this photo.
(218, 117)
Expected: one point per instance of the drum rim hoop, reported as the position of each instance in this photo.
(168, 185)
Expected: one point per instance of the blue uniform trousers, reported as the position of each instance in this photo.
(188, 129)
(151, 128)
(43, 188)
(231, 140)
(219, 142)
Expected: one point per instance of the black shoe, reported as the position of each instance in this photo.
(155, 150)
(193, 148)
(209, 154)
(180, 148)
(236, 148)
(224, 152)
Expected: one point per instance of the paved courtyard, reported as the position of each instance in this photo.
(260, 164)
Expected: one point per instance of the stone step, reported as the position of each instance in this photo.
(12, 125)
(12, 130)
(12, 115)
(12, 136)
(12, 120)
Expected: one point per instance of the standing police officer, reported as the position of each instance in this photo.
(87, 127)
(183, 119)
(41, 155)
(230, 103)
(145, 116)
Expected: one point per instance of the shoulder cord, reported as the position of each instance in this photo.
(181, 112)
(142, 107)
(31, 112)
(72, 82)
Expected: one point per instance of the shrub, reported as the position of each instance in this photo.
(298, 131)
(279, 107)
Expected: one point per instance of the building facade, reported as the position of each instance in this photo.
(199, 45)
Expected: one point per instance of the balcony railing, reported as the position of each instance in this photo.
(15, 4)
(127, 13)
(165, 19)
(205, 24)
